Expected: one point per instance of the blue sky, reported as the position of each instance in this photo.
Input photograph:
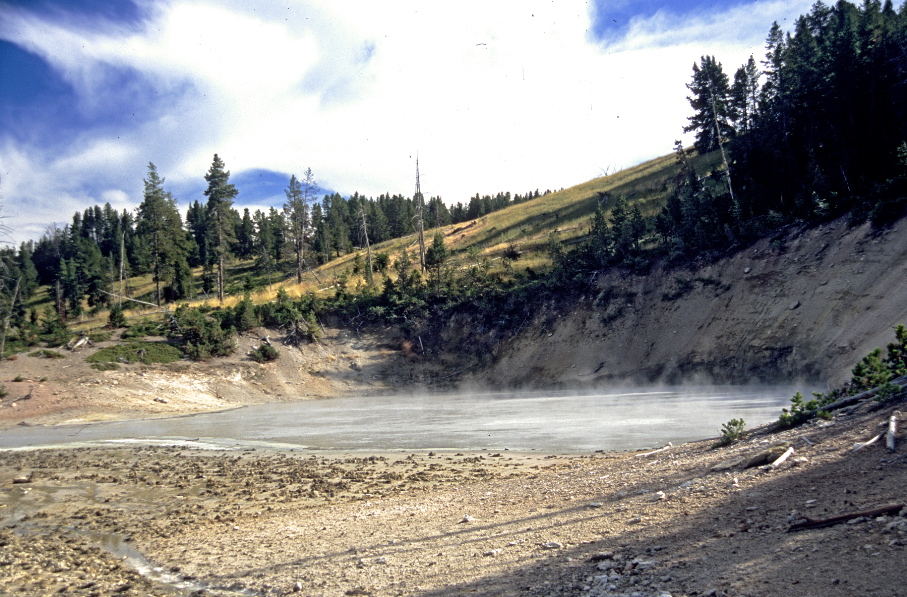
(507, 96)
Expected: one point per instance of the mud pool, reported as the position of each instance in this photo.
(545, 422)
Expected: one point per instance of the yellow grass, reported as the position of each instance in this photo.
(526, 226)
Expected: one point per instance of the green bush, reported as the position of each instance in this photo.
(732, 431)
(54, 332)
(801, 411)
(264, 354)
(143, 329)
(201, 336)
(105, 366)
(137, 352)
(116, 318)
(47, 354)
(3, 391)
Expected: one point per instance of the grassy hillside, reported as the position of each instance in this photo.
(524, 227)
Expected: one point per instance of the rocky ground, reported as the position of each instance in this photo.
(687, 520)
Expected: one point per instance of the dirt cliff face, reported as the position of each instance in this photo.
(802, 307)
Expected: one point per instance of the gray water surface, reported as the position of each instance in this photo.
(545, 422)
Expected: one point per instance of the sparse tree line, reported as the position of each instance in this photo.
(90, 260)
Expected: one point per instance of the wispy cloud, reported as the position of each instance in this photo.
(497, 96)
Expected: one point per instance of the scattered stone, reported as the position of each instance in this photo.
(794, 305)
(595, 505)
(658, 496)
(467, 519)
(551, 545)
(723, 466)
(297, 586)
(766, 456)
(22, 479)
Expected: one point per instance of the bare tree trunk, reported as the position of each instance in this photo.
(9, 314)
(368, 247)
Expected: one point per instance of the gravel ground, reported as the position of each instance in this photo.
(687, 520)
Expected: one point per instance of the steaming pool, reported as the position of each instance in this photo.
(525, 421)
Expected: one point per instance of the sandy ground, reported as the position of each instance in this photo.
(688, 520)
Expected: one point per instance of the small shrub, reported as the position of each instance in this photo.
(732, 431)
(105, 366)
(3, 391)
(18, 378)
(99, 336)
(137, 352)
(801, 411)
(47, 354)
(887, 391)
(116, 319)
(142, 329)
(264, 354)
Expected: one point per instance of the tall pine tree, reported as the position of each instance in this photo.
(220, 194)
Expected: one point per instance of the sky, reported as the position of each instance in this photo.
(491, 96)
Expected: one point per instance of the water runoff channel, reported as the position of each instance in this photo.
(546, 422)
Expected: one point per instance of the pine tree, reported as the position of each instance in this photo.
(744, 98)
(435, 257)
(296, 214)
(710, 90)
(161, 230)
(220, 194)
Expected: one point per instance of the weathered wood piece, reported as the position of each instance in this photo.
(670, 445)
(780, 460)
(810, 523)
(892, 430)
(858, 447)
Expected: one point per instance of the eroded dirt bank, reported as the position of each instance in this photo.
(806, 306)
(689, 520)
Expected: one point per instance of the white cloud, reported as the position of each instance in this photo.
(493, 96)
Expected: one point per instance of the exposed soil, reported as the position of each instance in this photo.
(262, 523)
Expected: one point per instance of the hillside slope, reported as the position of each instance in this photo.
(806, 306)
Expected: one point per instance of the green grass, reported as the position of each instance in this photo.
(105, 366)
(47, 354)
(137, 352)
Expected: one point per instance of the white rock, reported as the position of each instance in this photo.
(551, 545)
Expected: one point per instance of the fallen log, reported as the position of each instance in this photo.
(810, 523)
(850, 400)
(892, 429)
